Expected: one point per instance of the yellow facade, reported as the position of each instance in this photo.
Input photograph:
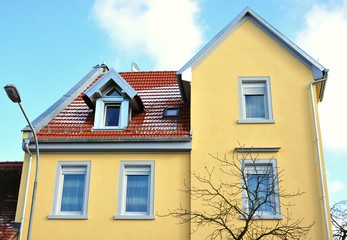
(103, 199)
(215, 113)
(214, 97)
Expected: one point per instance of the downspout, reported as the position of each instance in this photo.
(25, 147)
(320, 164)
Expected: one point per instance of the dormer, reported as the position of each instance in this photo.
(113, 100)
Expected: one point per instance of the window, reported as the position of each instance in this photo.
(136, 183)
(111, 113)
(71, 190)
(260, 189)
(255, 100)
(172, 112)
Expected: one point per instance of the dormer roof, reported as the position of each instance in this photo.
(107, 82)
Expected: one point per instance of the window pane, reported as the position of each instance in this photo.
(112, 115)
(171, 112)
(137, 193)
(255, 106)
(73, 190)
(260, 186)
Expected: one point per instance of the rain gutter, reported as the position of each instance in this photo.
(318, 146)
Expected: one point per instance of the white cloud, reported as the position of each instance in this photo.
(336, 186)
(163, 30)
(324, 37)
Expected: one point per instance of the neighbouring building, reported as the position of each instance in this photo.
(10, 173)
(116, 149)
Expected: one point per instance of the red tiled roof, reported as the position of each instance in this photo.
(157, 91)
(8, 230)
(10, 173)
(11, 164)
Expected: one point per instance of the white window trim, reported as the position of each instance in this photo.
(248, 166)
(268, 105)
(56, 213)
(121, 213)
(99, 119)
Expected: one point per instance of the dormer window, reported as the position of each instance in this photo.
(113, 100)
(112, 113)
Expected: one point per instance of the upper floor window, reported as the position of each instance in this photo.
(255, 100)
(136, 183)
(71, 190)
(260, 189)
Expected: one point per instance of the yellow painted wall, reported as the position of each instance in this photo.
(170, 171)
(215, 111)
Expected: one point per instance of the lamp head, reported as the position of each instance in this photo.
(12, 93)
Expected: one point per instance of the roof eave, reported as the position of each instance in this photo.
(95, 145)
(323, 84)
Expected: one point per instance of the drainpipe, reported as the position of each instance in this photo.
(320, 164)
(25, 147)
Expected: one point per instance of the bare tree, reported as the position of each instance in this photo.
(237, 196)
(338, 214)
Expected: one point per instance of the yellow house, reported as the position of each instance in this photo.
(117, 148)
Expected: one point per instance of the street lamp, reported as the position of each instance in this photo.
(13, 94)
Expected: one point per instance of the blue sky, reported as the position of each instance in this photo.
(47, 46)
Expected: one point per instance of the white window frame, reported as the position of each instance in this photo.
(64, 167)
(267, 103)
(128, 168)
(100, 113)
(262, 166)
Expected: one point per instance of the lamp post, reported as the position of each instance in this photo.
(13, 94)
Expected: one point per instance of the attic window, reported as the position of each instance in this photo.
(112, 113)
(172, 112)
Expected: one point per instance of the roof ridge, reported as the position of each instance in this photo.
(151, 71)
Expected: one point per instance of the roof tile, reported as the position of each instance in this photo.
(157, 90)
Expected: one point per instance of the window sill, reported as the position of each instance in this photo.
(260, 121)
(266, 217)
(134, 217)
(107, 129)
(68, 217)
